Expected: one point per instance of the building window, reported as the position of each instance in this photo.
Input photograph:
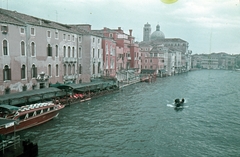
(69, 37)
(24, 87)
(34, 71)
(80, 69)
(73, 69)
(56, 35)
(99, 66)
(145, 61)
(150, 61)
(80, 52)
(80, 39)
(98, 40)
(4, 29)
(57, 70)
(73, 38)
(49, 70)
(22, 48)
(93, 40)
(32, 31)
(65, 69)
(6, 73)
(98, 53)
(69, 51)
(22, 31)
(73, 52)
(23, 72)
(111, 35)
(69, 69)
(93, 69)
(7, 90)
(64, 51)
(33, 49)
(34, 86)
(48, 34)
(5, 47)
(64, 36)
(49, 50)
(93, 52)
(56, 50)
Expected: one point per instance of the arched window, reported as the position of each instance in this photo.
(69, 69)
(33, 49)
(57, 70)
(34, 71)
(5, 47)
(93, 69)
(49, 70)
(80, 69)
(22, 48)
(23, 72)
(73, 52)
(73, 68)
(6, 73)
(80, 52)
(93, 52)
(65, 69)
(69, 51)
(56, 50)
(49, 50)
(64, 51)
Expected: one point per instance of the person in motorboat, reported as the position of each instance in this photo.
(179, 103)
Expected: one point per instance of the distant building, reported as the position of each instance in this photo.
(121, 53)
(170, 55)
(214, 61)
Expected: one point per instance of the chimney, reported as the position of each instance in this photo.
(130, 32)
(119, 28)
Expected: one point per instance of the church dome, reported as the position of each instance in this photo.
(156, 35)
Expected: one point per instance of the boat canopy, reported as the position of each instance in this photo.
(9, 107)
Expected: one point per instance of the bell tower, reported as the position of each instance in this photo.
(146, 32)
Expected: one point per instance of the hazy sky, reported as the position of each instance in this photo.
(207, 25)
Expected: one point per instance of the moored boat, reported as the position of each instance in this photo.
(28, 116)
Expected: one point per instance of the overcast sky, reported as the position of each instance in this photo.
(207, 25)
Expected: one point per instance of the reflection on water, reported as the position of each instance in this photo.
(139, 121)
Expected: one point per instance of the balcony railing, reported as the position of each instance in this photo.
(70, 77)
(69, 60)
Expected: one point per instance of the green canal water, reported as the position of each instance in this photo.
(140, 122)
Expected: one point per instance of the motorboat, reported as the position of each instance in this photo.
(28, 116)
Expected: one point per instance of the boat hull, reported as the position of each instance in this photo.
(31, 122)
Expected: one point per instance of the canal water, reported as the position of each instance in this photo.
(140, 121)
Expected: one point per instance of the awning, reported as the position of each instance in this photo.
(86, 86)
(4, 99)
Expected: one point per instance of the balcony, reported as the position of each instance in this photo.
(70, 77)
(69, 60)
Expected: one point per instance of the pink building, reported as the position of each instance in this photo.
(36, 52)
(126, 56)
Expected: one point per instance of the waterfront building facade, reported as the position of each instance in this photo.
(124, 53)
(214, 61)
(176, 56)
(36, 53)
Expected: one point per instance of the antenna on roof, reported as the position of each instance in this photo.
(56, 16)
